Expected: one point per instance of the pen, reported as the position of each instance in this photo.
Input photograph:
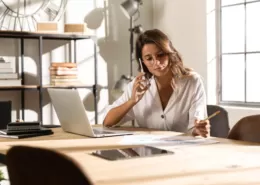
(211, 116)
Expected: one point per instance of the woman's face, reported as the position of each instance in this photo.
(155, 60)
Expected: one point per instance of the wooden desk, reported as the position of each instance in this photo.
(226, 163)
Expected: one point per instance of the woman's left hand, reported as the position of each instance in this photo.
(201, 128)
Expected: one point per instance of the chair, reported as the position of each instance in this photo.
(246, 129)
(31, 166)
(219, 125)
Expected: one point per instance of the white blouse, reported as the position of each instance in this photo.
(187, 103)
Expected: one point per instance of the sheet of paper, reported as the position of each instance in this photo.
(141, 139)
(150, 139)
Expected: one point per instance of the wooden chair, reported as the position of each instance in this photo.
(246, 129)
(219, 125)
(31, 166)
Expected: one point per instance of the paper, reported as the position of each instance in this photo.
(141, 139)
(150, 139)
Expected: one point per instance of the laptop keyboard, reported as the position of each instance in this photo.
(101, 132)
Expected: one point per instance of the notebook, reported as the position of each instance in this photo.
(20, 136)
(24, 129)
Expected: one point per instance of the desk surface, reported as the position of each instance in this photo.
(226, 163)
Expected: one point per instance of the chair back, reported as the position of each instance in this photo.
(219, 125)
(31, 166)
(246, 129)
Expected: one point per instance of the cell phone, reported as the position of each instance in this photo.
(127, 153)
(142, 70)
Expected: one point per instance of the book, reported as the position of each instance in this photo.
(8, 76)
(63, 69)
(64, 77)
(6, 70)
(5, 65)
(11, 82)
(24, 131)
(65, 73)
(63, 64)
(26, 135)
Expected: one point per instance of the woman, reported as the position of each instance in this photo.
(167, 96)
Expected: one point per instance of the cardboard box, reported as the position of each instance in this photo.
(75, 28)
(47, 27)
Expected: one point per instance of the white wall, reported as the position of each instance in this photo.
(113, 57)
(192, 26)
(185, 23)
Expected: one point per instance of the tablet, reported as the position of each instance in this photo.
(126, 153)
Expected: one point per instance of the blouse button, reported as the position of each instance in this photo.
(162, 116)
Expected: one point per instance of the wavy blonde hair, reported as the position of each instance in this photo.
(161, 40)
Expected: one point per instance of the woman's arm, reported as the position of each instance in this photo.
(198, 110)
(116, 114)
(121, 110)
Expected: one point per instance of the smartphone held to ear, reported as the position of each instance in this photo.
(147, 81)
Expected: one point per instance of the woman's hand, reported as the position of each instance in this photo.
(201, 128)
(139, 88)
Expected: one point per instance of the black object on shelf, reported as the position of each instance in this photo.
(5, 113)
(40, 87)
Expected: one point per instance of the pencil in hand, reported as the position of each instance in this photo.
(211, 116)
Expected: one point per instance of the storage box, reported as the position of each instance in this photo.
(75, 28)
(47, 27)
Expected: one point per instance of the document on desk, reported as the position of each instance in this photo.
(149, 139)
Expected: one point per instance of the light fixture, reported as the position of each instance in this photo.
(137, 29)
(130, 7)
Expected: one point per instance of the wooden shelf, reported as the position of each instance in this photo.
(37, 87)
(25, 87)
(50, 36)
(68, 86)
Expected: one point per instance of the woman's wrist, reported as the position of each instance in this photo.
(131, 103)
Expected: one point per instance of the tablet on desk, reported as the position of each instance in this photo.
(126, 153)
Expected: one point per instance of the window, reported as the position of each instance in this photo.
(240, 52)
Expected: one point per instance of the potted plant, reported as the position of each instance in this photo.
(2, 178)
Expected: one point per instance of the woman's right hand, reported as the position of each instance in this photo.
(139, 88)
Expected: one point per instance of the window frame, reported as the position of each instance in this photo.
(244, 103)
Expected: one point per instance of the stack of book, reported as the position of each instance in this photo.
(64, 74)
(7, 75)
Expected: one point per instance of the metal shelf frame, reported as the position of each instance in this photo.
(40, 88)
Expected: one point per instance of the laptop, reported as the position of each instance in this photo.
(73, 117)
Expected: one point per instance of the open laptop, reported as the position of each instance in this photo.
(72, 115)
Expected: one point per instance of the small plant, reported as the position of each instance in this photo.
(2, 176)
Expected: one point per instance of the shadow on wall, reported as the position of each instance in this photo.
(10, 49)
(88, 100)
(114, 47)
(158, 11)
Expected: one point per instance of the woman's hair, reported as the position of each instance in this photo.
(161, 40)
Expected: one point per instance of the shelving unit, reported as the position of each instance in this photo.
(40, 87)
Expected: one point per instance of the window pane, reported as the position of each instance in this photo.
(233, 29)
(230, 2)
(233, 78)
(253, 27)
(253, 76)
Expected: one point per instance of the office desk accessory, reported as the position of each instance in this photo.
(208, 118)
(40, 87)
(134, 152)
(6, 110)
(24, 129)
(206, 164)
(72, 115)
